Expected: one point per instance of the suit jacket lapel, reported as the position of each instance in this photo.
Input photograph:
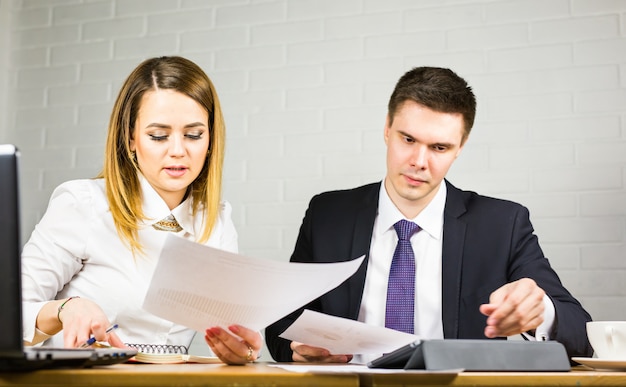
(452, 257)
(361, 240)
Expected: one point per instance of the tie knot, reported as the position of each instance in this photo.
(405, 229)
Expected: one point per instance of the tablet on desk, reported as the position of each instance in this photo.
(477, 355)
(396, 359)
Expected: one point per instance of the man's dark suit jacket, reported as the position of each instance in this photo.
(487, 243)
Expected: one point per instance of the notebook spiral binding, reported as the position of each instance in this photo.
(159, 348)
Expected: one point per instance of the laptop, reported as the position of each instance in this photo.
(13, 355)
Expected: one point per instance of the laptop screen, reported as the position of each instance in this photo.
(10, 250)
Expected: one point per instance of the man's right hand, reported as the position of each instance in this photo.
(307, 353)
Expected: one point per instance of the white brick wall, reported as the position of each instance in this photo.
(304, 85)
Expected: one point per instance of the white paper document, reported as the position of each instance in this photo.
(200, 287)
(345, 336)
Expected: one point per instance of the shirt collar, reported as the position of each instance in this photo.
(155, 209)
(429, 220)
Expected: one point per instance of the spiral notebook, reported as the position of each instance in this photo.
(168, 354)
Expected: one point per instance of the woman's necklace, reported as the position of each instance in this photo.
(169, 223)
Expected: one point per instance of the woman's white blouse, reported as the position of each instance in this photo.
(75, 250)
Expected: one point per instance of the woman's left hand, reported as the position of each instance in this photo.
(240, 346)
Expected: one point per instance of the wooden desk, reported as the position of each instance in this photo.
(263, 375)
(577, 377)
(156, 375)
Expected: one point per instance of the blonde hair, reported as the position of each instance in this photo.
(120, 171)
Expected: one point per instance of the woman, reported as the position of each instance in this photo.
(89, 261)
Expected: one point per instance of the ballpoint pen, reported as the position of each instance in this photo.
(93, 339)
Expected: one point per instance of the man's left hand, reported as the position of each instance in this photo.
(514, 308)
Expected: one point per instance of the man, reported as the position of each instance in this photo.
(476, 269)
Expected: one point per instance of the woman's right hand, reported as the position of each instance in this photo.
(80, 319)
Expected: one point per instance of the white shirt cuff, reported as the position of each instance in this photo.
(542, 333)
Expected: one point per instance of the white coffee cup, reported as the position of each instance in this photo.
(608, 339)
